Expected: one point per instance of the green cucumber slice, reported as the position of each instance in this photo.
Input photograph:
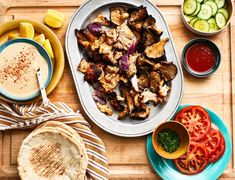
(213, 25)
(199, 1)
(201, 25)
(197, 10)
(205, 12)
(213, 6)
(189, 6)
(188, 18)
(225, 5)
(193, 21)
(224, 12)
(220, 3)
(220, 20)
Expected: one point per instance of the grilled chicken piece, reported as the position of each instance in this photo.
(132, 65)
(111, 69)
(111, 36)
(126, 36)
(118, 14)
(92, 73)
(83, 65)
(156, 50)
(105, 48)
(148, 96)
(143, 81)
(150, 24)
(123, 79)
(134, 82)
(103, 21)
(125, 92)
(162, 92)
(114, 102)
(110, 81)
(82, 41)
(123, 113)
(94, 56)
(142, 114)
(88, 35)
(155, 79)
(104, 109)
(137, 14)
(168, 70)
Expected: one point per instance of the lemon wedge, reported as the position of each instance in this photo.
(40, 39)
(26, 30)
(12, 36)
(47, 46)
(54, 18)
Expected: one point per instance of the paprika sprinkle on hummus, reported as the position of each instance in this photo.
(18, 65)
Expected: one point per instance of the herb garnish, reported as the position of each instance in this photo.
(169, 140)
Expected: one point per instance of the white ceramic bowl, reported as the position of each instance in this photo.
(231, 10)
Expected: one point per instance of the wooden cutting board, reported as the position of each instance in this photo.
(127, 156)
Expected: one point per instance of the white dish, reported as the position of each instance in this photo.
(127, 127)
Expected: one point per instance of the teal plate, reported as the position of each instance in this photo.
(166, 169)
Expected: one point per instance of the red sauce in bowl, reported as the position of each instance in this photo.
(200, 57)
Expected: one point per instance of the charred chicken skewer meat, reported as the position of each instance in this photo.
(125, 62)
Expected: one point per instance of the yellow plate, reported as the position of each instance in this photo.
(58, 65)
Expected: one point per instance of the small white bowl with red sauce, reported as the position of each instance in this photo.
(201, 57)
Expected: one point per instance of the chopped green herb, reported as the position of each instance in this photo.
(169, 140)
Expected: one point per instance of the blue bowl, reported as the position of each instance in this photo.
(212, 46)
(43, 53)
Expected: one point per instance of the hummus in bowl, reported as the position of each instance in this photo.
(19, 61)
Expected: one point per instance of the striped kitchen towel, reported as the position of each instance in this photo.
(29, 116)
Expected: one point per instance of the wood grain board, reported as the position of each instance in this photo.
(127, 156)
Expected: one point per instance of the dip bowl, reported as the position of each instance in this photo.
(212, 46)
(43, 53)
(182, 133)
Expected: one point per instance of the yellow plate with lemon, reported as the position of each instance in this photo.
(44, 36)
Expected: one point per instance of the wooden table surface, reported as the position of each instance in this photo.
(127, 156)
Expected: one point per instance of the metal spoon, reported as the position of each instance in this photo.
(45, 100)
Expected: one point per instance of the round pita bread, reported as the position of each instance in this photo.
(52, 153)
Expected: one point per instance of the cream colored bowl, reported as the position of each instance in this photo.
(231, 10)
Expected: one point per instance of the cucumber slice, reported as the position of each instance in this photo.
(213, 6)
(205, 12)
(213, 25)
(193, 21)
(201, 25)
(188, 18)
(224, 12)
(197, 10)
(220, 3)
(199, 1)
(220, 20)
(225, 5)
(189, 6)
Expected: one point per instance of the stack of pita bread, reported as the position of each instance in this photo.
(52, 151)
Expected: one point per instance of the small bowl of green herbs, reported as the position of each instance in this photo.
(170, 139)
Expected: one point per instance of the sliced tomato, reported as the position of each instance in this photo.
(219, 151)
(212, 141)
(196, 120)
(194, 161)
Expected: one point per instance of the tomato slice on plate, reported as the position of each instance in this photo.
(194, 160)
(219, 151)
(212, 141)
(196, 120)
